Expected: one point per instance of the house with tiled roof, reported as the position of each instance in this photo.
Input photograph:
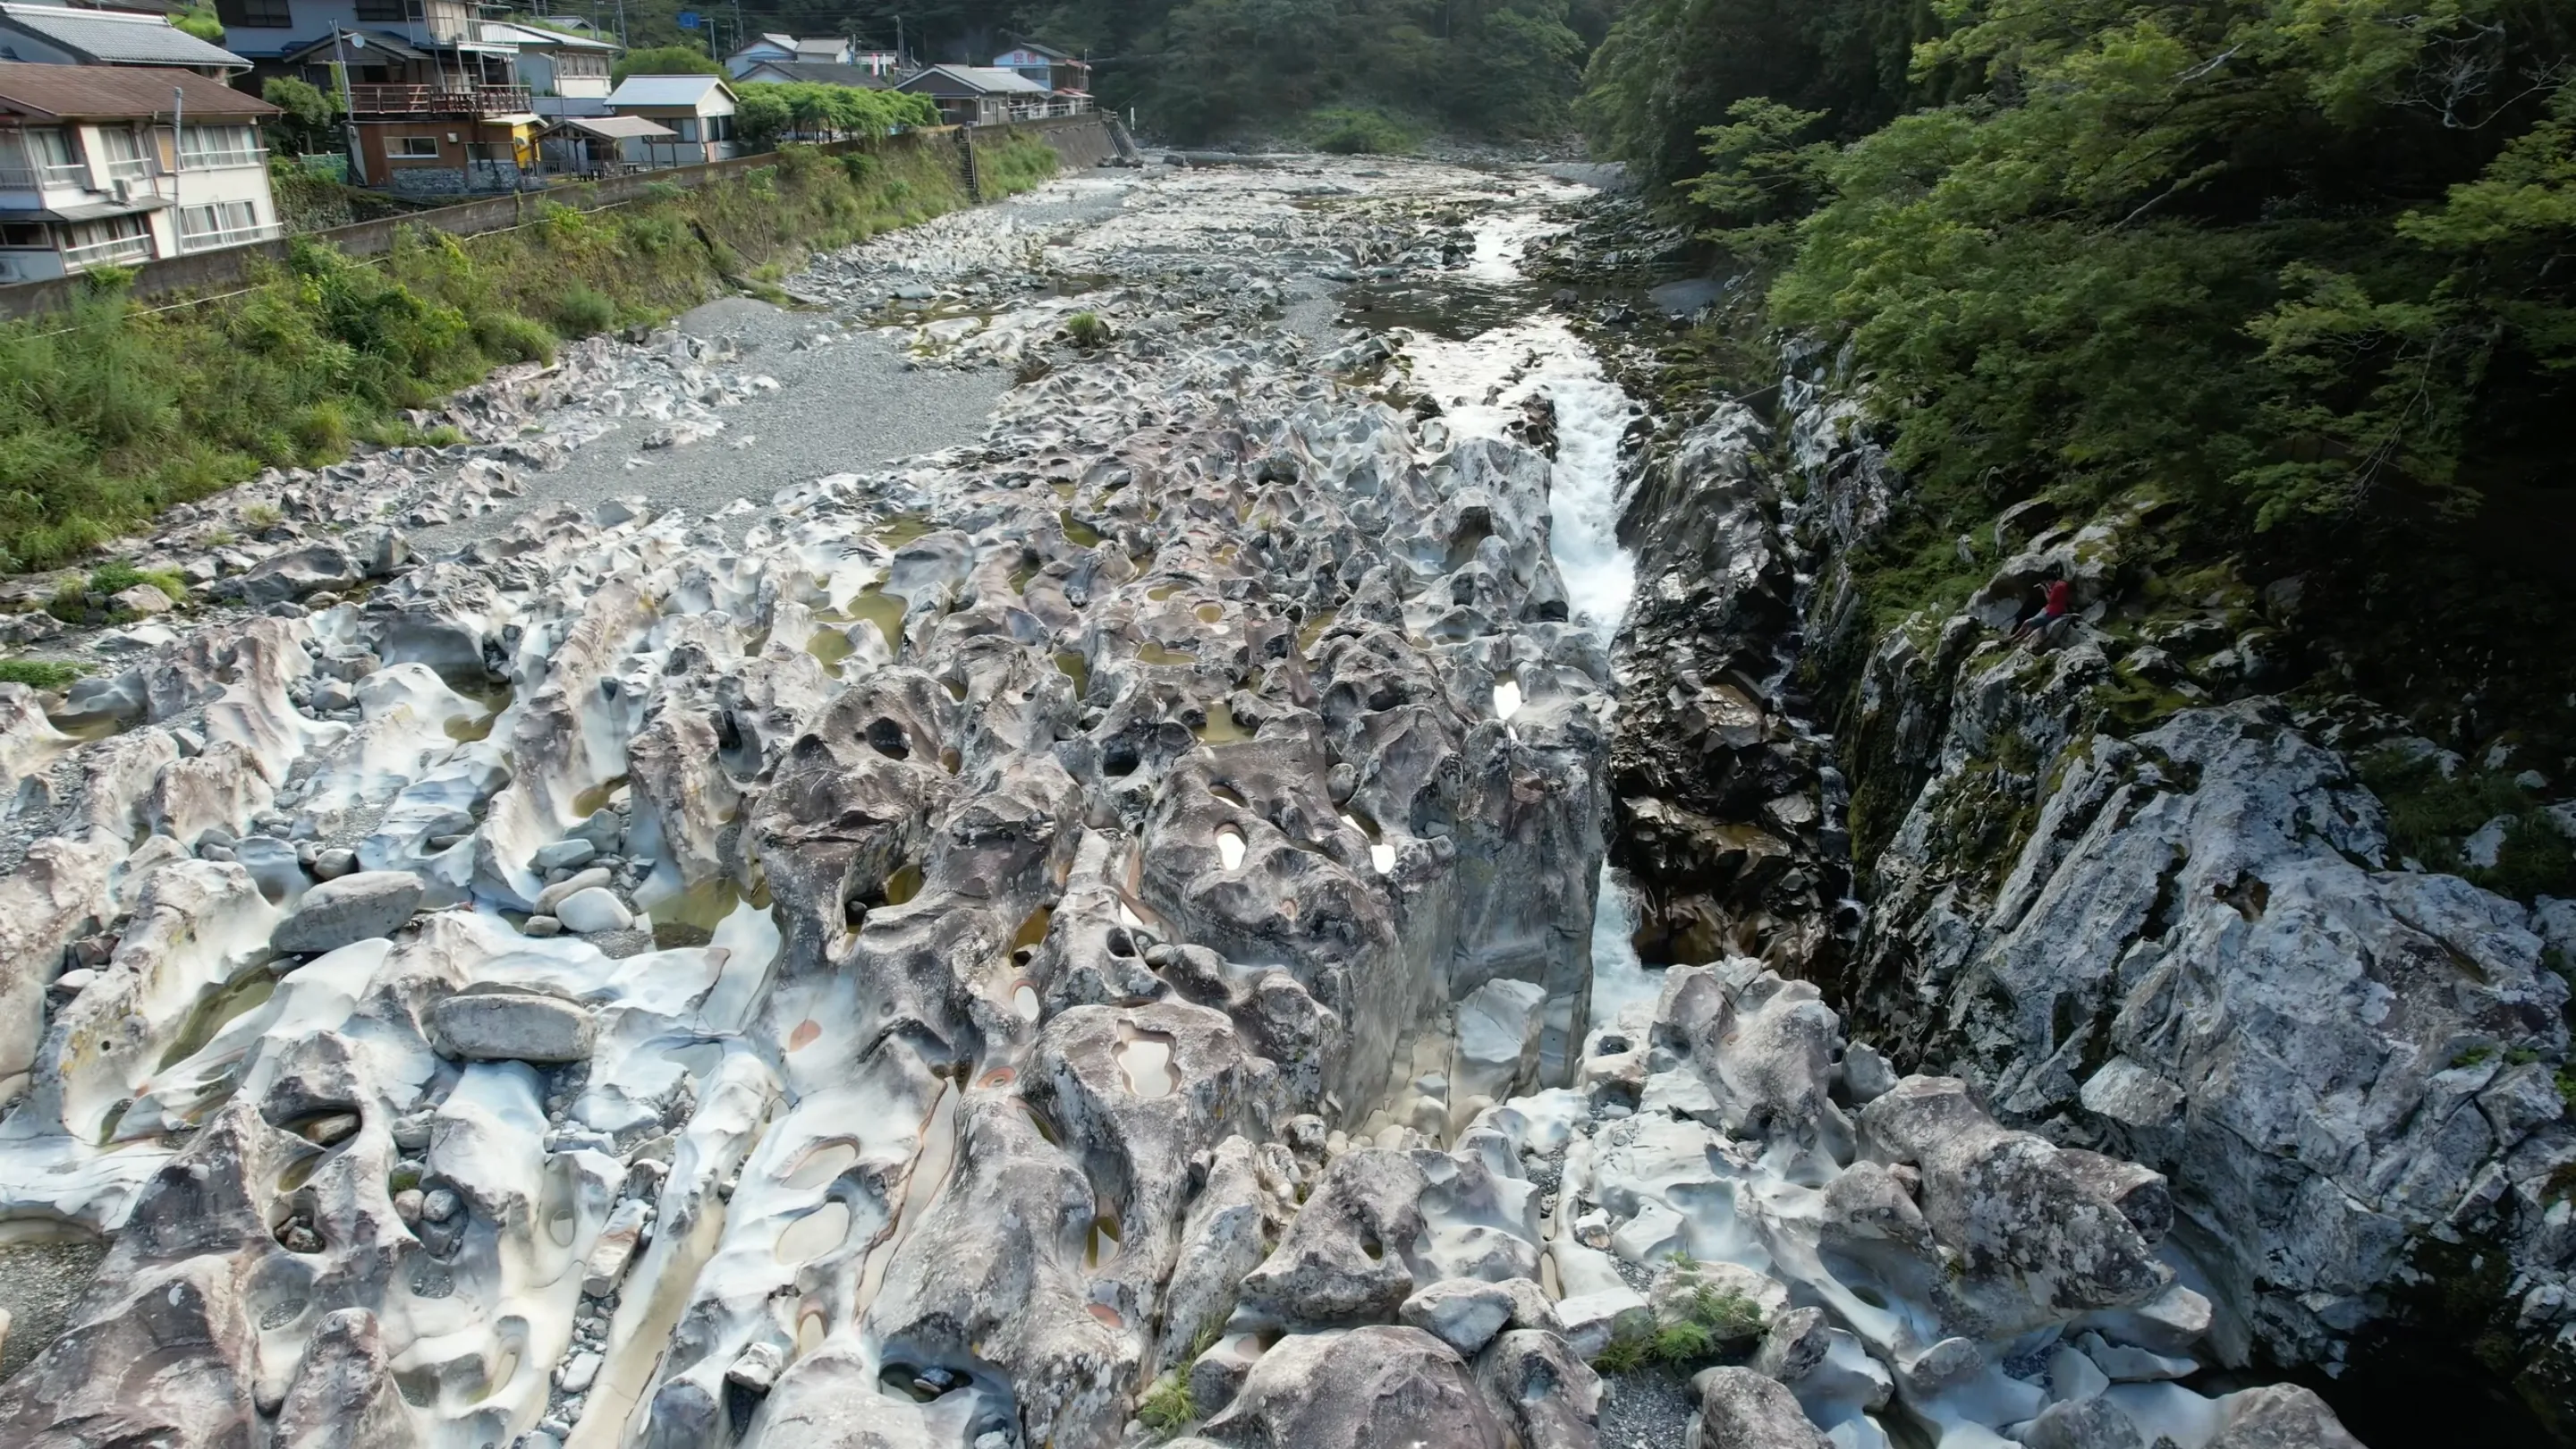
(114, 165)
(60, 35)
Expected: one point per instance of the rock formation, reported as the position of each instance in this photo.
(1075, 938)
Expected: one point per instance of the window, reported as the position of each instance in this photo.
(122, 153)
(412, 148)
(26, 234)
(720, 128)
(223, 224)
(384, 9)
(206, 147)
(116, 239)
(254, 14)
(687, 127)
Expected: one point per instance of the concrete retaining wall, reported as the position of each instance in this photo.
(1081, 141)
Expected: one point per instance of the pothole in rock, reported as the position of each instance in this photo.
(823, 1163)
(814, 1234)
(1145, 1061)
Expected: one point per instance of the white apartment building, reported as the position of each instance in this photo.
(104, 164)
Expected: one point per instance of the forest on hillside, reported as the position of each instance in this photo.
(2300, 267)
(1197, 69)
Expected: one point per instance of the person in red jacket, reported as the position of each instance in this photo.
(2059, 601)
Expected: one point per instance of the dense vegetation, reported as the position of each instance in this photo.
(772, 111)
(2297, 267)
(1196, 69)
(115, 411)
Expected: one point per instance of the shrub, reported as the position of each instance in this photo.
(1087, 330)
(1355, 131)
(509, 337)
(38, 673)
(583, 312)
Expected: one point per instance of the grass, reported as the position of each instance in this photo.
(116, 578)
(1710, 1322)
(1168, 1407)
(43, 674)
(110, 413)
(1087, 330)
(1012, 165)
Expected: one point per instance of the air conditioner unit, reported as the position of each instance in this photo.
(124, 192)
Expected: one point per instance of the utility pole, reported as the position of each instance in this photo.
(348, 108)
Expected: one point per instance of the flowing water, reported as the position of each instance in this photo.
(1484, 383)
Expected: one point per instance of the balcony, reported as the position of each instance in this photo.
(397, 102)
(115, 249)
(209, 241)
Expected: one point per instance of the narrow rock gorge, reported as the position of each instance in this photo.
(1311, 889)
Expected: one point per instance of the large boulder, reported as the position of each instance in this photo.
(1343, 1259)
(511, 1026)
(1368, 1388)
(1741, 1409)
(299, 571)
(2279, 1416)
(2037, 1239)
(357, 907)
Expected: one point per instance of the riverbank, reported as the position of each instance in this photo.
(115, 411)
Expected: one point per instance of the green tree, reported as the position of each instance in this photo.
(665, 60)
(309, 117)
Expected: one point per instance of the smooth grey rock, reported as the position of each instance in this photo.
(1795, 1344)
(1464, 1313)
(1370, 1387)
(1867, 1076)
(555, 895)
(2092, 1423)
(1551, 1397)
(2279, 1416)
(142, 599)
(507, 1026)
(347, 909)
(296, 572)
(563, 854)
(1741, 1409)
(593, 910)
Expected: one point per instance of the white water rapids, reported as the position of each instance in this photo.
(1481, 384)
